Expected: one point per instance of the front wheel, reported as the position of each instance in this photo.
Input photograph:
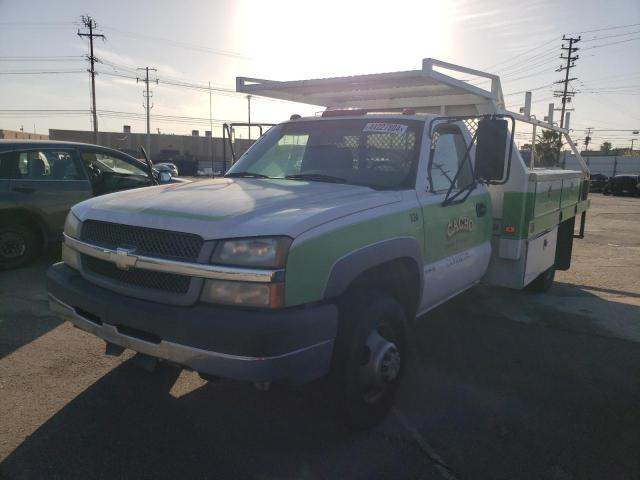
(370, 359)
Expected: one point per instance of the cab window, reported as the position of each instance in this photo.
(448, 151)
(110, 163)
(39, 165)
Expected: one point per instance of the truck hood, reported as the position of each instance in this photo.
(238, 207)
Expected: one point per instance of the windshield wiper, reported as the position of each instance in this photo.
(246, 175)
(316, 177)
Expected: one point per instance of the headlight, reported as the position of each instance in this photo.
(248, 294)
(72, 226)
(268, 252)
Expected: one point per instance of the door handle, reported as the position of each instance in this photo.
(24, 189)
(481, 209)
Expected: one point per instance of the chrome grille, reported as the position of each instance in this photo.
(160, 281)
(147, 241)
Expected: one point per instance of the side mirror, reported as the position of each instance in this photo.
(164, 177)
(493, 150)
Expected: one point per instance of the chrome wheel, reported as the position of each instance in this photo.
(379, 366)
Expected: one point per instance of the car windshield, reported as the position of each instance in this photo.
(378, 153)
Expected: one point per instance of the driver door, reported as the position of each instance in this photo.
(110, 172)
(457, 245)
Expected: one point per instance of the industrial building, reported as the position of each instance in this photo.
(21, 135)
(189, 152)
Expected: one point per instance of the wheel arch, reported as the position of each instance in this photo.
(30, 219)
(394, 265)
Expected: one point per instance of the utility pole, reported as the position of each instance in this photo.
(211, 128)
(565, 94)
(147, 94)
(90, 23)
(587, 139)
(570, 58)
(249, 114)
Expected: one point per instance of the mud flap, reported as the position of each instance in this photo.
(564, 247)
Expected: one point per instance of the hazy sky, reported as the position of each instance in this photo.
(201, 41)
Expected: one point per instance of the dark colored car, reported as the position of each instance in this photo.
(41, 180)
(170, 167)
(623, 184)
(597, 182)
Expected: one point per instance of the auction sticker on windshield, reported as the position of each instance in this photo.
(392, 128)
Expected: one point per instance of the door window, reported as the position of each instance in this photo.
(111, 163)
(39, 165)
(447, 157)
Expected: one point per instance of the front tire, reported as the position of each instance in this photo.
(18, 245)
(369, 360)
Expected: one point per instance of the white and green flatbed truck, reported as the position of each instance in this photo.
(316, 251)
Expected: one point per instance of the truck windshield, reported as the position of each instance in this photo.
(377, 153)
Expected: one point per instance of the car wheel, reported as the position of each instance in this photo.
(18, 245)
(606, 190)
(369, 359)
(544, 281)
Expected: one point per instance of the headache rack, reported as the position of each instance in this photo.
(426, 91)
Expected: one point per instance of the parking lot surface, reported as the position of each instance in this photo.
(502, 385)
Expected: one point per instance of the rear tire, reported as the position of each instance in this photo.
(369, 359)
(544, 281)
(18, 245)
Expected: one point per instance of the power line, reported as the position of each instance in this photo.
(90, 23)
(615, 27)
(519, 57)
(150, 38)
(546, 60)
(593, 39)
(546, 85)
(611, 43)
(40, 72)
(61, 58)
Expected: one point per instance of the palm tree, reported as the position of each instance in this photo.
(547, 148)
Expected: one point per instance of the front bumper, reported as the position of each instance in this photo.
(289, 345)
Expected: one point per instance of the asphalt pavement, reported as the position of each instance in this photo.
(502, 385)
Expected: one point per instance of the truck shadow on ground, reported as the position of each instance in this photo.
(496, 397)
(514, 385)
(129, 425)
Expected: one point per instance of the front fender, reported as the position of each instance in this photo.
(350, 266)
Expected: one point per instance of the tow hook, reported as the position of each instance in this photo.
(263, 386)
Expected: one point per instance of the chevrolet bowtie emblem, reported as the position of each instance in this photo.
(123, 259)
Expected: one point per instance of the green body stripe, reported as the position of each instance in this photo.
(438, 244)
(310, 263)
(531, 213)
